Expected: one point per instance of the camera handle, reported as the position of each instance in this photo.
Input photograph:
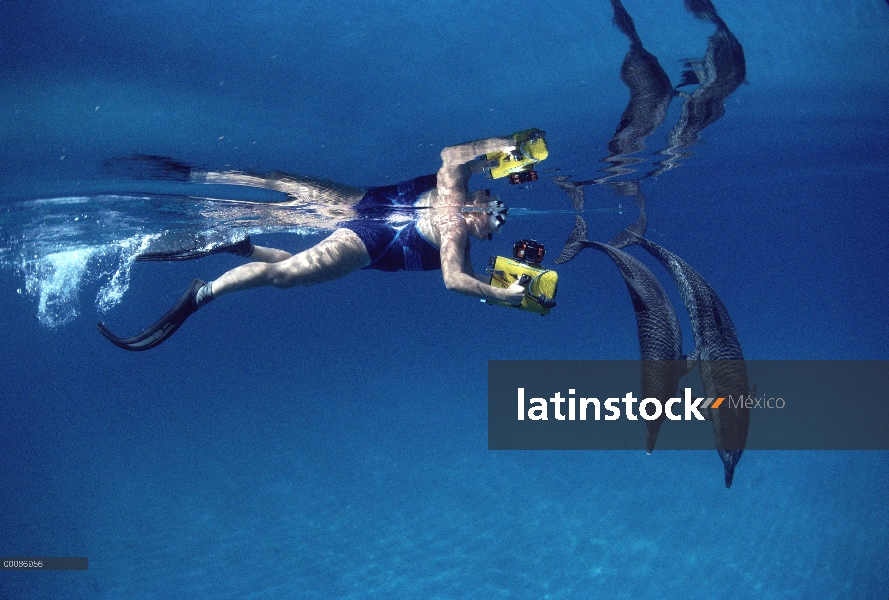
(543, 300)
(540, 299)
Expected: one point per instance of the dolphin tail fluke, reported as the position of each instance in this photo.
(574, 190)
(575, 243)
(631, 234)
(702, 9)
(624, 22)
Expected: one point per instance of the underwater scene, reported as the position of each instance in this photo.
(714, 173)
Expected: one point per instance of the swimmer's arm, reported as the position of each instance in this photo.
(463, 153)
(458, 278)
(467, 268)
(456, 167)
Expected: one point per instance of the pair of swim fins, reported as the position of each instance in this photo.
(177, 247)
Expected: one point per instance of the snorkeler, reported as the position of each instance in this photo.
(437, 238)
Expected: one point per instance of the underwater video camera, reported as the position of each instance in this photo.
(525, 268)
(529, 251)
(518, 165)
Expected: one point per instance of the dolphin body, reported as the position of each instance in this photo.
(660, 336)
(718, 352)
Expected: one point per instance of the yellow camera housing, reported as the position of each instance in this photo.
(506, 271)
(530, 150)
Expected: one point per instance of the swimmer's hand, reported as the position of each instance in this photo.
(516, 292)
(523, 136)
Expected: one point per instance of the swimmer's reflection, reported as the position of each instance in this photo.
(302, 201)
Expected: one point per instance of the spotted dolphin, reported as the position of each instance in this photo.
(660, 336)
(718, 351)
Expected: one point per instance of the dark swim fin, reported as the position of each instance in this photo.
(189, 247)
(164, 327)
(150, 166)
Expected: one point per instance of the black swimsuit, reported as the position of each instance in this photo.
(394, 248)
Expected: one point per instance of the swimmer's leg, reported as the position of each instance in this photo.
(341, 253)
(269, 255)
(337, 256)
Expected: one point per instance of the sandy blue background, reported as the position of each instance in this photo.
(331, 442)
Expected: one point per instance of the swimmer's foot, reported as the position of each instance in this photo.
(189, 247)
(198, 294)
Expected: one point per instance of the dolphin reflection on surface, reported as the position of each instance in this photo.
(718, 74)
(650, 95)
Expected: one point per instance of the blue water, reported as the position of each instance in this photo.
(331, 442)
